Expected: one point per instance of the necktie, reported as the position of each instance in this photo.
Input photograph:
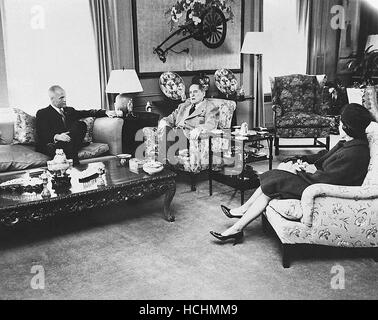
(192, 109)
(63, 116)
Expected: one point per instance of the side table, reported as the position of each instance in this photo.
(132, 124)
(241, 180)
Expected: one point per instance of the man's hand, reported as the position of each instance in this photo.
(195, 133)
(113, 114)
(64, 137)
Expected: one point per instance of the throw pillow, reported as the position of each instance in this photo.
(24, 128)
(370, 101)
(90, 124)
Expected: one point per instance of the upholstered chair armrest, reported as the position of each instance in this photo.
(109, 131)
(325, 199)
(277, 110)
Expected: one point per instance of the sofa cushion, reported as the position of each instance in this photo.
(93, 150)
(226, 111)
(90, 124)
(7, 118)
(290, 209)
(24, 128)
(20, 157)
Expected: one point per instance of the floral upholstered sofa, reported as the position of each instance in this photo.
(339, 216)
(196, 158)
(17, 139)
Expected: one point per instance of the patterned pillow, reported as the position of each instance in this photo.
(24, 128)
(90, 124)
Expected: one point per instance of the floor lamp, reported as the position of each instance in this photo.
(255, 43)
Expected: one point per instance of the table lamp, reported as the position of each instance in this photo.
(255, 43)
(124, 82)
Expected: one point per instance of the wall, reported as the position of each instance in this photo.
(151, 88)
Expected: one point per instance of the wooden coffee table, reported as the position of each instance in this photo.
(120, 185)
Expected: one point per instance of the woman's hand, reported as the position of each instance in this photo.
(287, 166)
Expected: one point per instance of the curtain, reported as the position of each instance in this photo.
(105, 30)
(323, 41)
(4, 101)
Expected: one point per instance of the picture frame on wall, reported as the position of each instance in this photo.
(152, 26)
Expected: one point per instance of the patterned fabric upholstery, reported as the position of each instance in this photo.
(332, 215)
(24, 128)
(196, 158)
(298, 108)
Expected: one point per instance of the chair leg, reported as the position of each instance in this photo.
(264, 222)
(328, 142)
(277, 146)
(286, 251)
(193, 182)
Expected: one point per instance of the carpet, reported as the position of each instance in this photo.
(131, 252)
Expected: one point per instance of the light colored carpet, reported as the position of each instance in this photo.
(130, 252)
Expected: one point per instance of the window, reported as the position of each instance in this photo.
(288, 52)
(47, 43)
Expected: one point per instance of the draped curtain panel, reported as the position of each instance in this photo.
(105, 30)
(4, 101)
(323, 39)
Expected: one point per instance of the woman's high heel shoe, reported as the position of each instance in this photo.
(237, 237)
(228, 213)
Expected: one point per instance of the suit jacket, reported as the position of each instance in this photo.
(206, 116)
(49, 123)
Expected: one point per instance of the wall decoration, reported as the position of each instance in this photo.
(187, 36)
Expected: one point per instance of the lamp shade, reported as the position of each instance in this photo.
(372, 40)
(123, 81)
(255, 43)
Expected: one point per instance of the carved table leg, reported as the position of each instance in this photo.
(167, 202)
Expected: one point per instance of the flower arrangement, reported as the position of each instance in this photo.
(196, 9)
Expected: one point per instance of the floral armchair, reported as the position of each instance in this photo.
(195, 158)
(331, 215)
(298, 111)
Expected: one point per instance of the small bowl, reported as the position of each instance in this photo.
(124, 158)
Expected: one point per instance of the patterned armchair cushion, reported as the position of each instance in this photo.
(226, 111)
(303, 120)
(295, 93)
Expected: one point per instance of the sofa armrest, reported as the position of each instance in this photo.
(109, 131)
(316, 195)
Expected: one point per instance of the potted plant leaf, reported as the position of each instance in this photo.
(365, 66)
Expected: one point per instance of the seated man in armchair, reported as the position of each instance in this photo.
(58, 126)
(194, 116)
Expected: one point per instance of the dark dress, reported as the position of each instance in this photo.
(345, 164)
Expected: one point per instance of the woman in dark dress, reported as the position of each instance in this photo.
(345, 164)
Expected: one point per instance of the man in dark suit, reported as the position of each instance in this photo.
(59, 126)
